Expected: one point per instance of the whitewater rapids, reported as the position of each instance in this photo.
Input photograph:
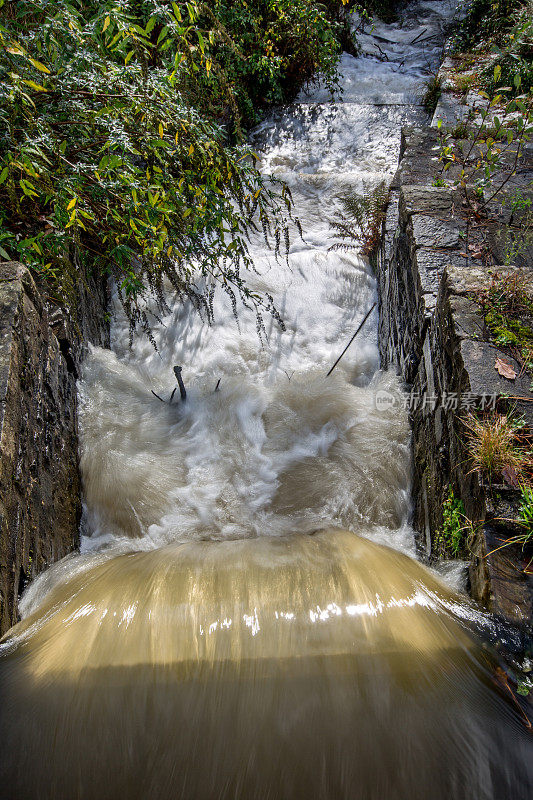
(247, 619)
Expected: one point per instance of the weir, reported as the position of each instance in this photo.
(247, 617)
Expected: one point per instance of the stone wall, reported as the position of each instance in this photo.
(40, 489)
(432, 330)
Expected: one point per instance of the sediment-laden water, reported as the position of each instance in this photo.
(247, 618)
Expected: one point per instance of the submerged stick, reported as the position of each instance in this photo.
(351, 340)
(218, 384)
(422, 32)
(177, 373)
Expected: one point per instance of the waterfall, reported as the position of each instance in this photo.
(247, 618)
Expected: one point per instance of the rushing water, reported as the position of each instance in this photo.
(236, 625)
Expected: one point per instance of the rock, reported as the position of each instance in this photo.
(433, 330)
(40, 487)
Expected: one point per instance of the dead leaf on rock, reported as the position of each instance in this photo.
(476, 250)
(510, 476)
(505, 369)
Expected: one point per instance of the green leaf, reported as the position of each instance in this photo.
(162, 35)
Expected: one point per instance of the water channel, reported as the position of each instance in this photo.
(247, 617)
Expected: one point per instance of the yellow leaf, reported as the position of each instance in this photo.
(106, 24)
(38, 65)
(191, 150)
(36, 86)
(72, 203)
(15, 49)
(161, 132)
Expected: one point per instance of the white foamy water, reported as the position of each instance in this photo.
(279, 447)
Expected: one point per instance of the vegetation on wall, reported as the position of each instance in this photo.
(507, 306)
(120, 142)
(450, 540)
(499, 447)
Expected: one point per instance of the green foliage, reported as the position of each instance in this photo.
(518, 233)
(484, 21)
(432, 94)
(525, 517)
(281, 44)
(488, 159)
(111, 149)
(451, 537)
(362, 217)
(508, 312)
(524, 539)
(504, 27)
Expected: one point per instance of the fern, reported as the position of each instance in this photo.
(361, 221)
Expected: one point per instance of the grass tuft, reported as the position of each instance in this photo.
(497, 448)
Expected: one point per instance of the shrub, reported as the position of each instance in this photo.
(488, 160)
(111, 151)
(486, 20)
(281, 44)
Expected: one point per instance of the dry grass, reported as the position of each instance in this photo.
(498, 448)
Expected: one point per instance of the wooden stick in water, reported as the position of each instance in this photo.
(351, 340)
(177, 373)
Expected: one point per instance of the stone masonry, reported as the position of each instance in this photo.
(40, 489)
(432, 330)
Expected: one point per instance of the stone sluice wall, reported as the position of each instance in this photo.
(432, 331)
(40, 486)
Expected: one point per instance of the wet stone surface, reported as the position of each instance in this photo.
(40, 501)
(432, 328)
